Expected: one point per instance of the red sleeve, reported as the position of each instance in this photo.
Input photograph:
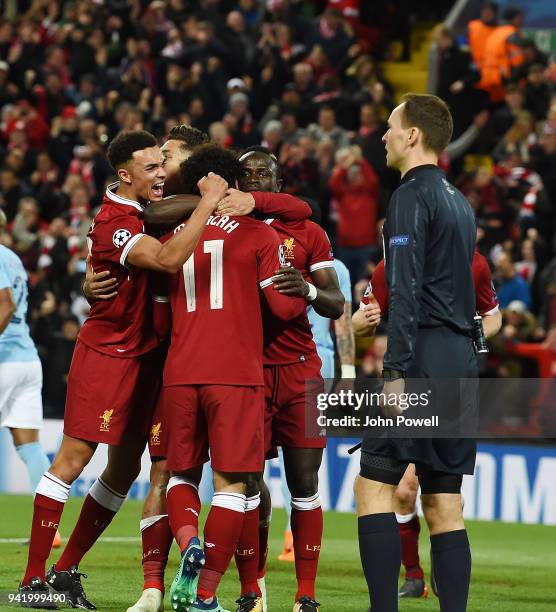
(485, 294)
(282, 206)
(380, 289)
(377, 286)
(321, 255)
(270, 257)
(337, 180)
(113, 239)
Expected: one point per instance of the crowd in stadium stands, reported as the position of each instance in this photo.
(302, 78)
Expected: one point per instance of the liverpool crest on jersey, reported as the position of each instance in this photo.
(289, 245)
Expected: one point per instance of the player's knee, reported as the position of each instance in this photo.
(405, 498)
(303, 485)
(159, 475)
(67, 466)
(253, 487)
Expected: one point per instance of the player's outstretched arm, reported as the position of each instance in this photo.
(169, 257)
(280, 205)
(7, 308)
(324, 295)
(171, 210)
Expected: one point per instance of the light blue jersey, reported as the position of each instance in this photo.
(15, 341)
(320, 326)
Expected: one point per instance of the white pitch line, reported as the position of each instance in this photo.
(108, 539)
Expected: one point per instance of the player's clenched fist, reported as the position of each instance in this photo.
(372, 312)
(212, 188)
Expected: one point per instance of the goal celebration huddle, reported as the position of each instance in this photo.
(201, 339)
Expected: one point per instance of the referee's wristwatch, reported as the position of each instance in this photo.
(388, 374)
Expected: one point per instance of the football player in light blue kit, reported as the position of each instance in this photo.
(345, 343)
(20, 367)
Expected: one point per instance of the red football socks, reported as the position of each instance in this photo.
(156, 538)
(184, 506)
(93, 520)
(46, 517)
(222, 531)
(306, 522)
(409, 535)
(247, 550)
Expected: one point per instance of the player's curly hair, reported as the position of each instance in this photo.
(189, 137)
(125, 144)
(209, 158)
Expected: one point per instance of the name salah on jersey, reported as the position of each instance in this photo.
(225, 223)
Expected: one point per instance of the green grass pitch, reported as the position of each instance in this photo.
(513, 565)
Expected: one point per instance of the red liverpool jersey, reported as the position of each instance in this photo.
(306, 248)
(486, 299)
(217, 335)
(121, 327)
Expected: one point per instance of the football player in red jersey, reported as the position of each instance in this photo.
(314, 251)
(365, 322)
(216, 402)
(290, 363)
(155, 531)
(112, 383)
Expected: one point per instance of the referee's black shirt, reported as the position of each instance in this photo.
(429, 239)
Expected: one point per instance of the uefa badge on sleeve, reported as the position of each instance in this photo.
(120, 237)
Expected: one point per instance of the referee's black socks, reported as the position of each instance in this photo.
(381, 553)
(451, 560)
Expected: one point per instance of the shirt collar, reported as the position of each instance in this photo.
(114, 197)
(411, 173)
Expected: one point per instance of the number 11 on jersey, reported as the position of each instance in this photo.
(216, 249)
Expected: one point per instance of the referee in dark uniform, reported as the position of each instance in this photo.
(429, 239)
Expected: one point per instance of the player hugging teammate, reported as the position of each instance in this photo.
(234, 378)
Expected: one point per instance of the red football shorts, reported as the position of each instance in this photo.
(228, 420)
(108, 396)
(289, 389)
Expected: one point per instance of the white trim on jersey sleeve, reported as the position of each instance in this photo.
(320, 265)
(491, 312)
(266, 283)
(128, 246)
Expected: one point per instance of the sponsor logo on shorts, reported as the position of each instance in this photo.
(210, 545)
(155, 434)
(402, 240)
(106, 417)
(289, 245)
(194, 512)
(120, 237)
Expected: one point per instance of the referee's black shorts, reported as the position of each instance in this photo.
(440, 353)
